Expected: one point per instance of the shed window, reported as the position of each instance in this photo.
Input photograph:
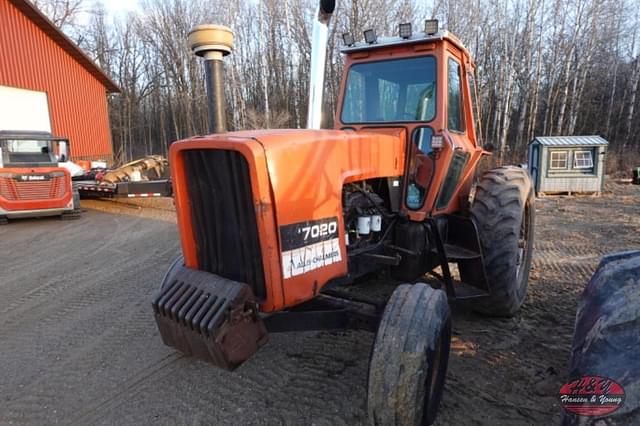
(582, 160)
(558, 160)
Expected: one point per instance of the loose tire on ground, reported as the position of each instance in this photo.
(409, 358)
(606, 337)
(503, 210)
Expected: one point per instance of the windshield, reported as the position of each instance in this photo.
(392, 90)
(27, 151)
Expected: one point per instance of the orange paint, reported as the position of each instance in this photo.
(19, 196)
(296, 175)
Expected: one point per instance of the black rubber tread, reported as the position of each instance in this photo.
(606, 338)
(76, 200)
(3, 220)
(77, 211)
(498, 210)
(415, 320)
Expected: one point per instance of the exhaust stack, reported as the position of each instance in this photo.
(318, 59)
(213, 42)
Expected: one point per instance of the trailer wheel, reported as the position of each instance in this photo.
(3, 220)
(409, 358)
(503, 210)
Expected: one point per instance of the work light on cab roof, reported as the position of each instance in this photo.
(431, 26)
(405, 32)
(370, 36)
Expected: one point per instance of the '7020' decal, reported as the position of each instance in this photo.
(309, 245)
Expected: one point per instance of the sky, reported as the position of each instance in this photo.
(113, 8)
(120, 6)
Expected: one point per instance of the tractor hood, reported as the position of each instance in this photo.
(309, 167)
(295, 179)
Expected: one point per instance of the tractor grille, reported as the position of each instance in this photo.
(13, 189)
(223, 216)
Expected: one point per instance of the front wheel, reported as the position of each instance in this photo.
(504, 212)
(409, 358)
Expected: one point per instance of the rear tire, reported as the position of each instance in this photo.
(504, 213)
(606, 337)
(409, 358)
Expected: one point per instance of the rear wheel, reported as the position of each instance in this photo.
(409, 358)
(503, 210)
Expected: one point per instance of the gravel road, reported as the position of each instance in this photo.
(78, 343)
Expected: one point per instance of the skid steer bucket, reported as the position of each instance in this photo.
(209, 317)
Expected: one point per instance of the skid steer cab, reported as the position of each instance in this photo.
(31, 182)
(288, 230)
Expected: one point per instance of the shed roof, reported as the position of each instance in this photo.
(570, 140)
(38, 18)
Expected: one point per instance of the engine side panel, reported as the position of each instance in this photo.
(307, 174)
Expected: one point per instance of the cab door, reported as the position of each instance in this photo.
(457, 134)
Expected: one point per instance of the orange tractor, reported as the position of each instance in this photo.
(278, 227)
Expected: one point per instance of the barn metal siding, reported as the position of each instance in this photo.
(31, 60)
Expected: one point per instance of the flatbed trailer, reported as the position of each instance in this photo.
(139, 189)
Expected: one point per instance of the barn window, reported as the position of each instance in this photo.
(558, 160)
(582, 160)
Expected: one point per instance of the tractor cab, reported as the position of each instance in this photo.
(422, 82)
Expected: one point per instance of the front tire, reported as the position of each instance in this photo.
(409, 359)
(504, 212)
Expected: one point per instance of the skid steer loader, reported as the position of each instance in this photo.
(274, 224)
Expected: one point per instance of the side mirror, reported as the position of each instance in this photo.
(488, 147)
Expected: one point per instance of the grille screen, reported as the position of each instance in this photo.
(14, 190)
(223, 216)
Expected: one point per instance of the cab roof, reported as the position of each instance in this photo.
(419, 37)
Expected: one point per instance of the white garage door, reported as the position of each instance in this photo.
(22, 109)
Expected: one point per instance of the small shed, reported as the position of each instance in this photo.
(567, 164)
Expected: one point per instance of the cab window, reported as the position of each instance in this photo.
(454, 97)
(396, 90)
(475, 107)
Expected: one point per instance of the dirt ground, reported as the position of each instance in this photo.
(79, 344)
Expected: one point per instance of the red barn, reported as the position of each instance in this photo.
(35, 55)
